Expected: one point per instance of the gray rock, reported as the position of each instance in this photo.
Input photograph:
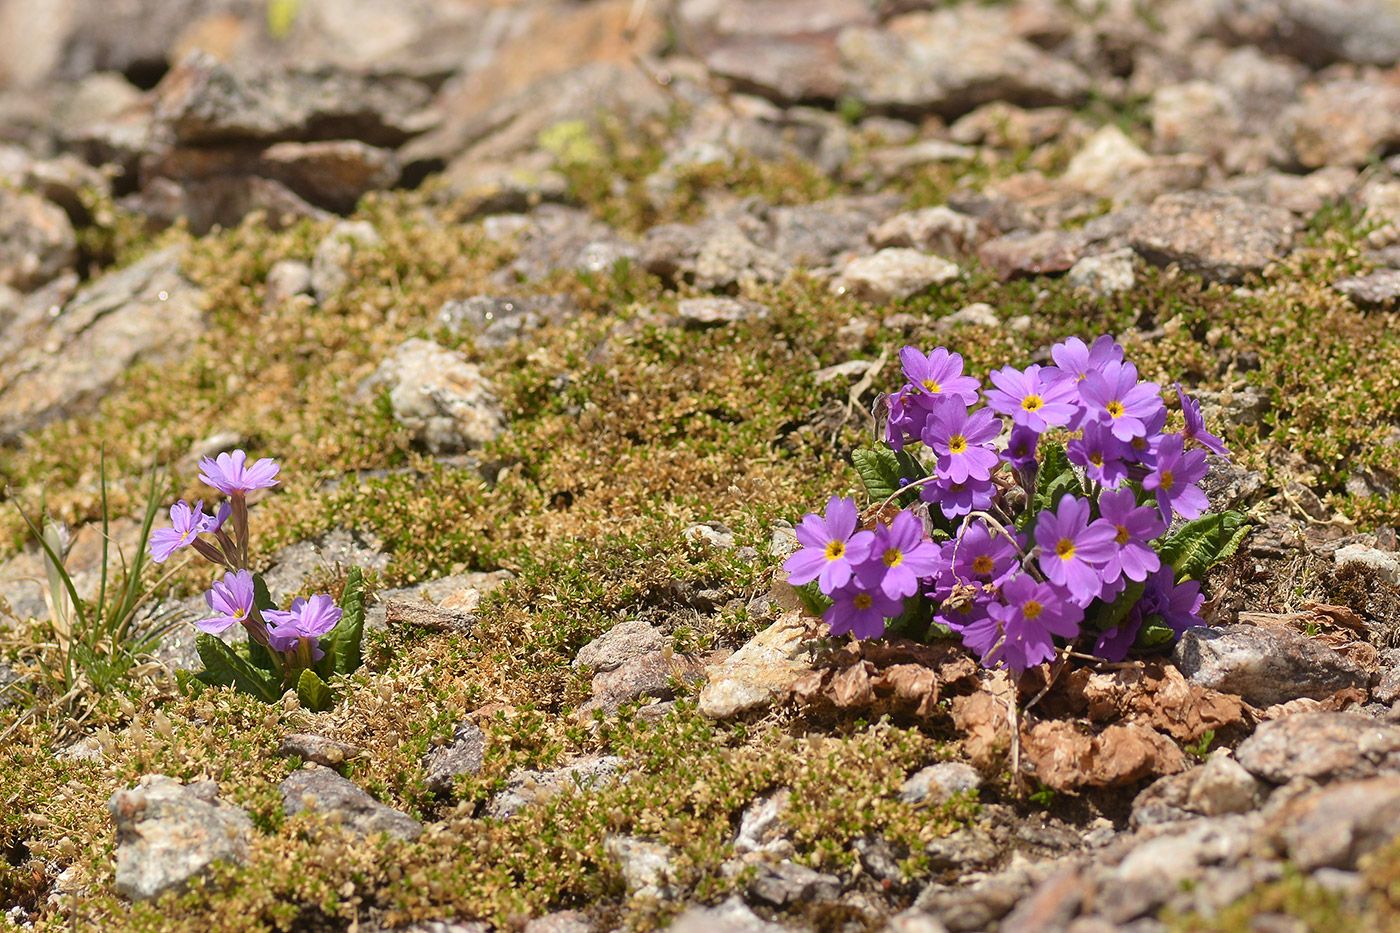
(761, 826)
(896, 161)
(966, 847)
(8, 689)
(317, 748)
(1335, 826)
(1323, 746)
(444, 400)
(1104, 275)
(1223, 785)
(717, 310)
(786, 883)
(652, 675)
(1385, 562)
(568, 240)
(458, 594)
(464, 755)
(59, 356)
(915, 921)
(325, 792)
(732, 916)
(563, 921)
(1264, 666)
(485, 188)
(222, 199)
(895, 274)
(168, 833)
(977, 314)
(646, 866)
(939, 782)
(1159, 866)
(294, 564)
(525, 788)
(330, 267)
(1316, 32)
(1342, 122)
(978, 905)
(618, 645)
(715, 534)
(1022, 254)
(37, 241)
(1216, 236)
(1053, 904)
(332, 174)
(827, 232)
(760, 671)
(938, 230)
(715, 255)
(496, 320)
(286, 279)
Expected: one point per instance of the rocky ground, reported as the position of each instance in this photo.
(558, 315)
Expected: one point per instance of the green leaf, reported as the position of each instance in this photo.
(813, 599)
(1111, 615)
(1055, 478)
(226, 669)
(313, 692)
(1154, 633)
(349, 632)
(1198, 545)
(258, 654)
(881, 469)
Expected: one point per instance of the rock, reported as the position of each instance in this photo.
(950, 61)
(1223, 785)
(563, 921)
(287, 279)
(457, 595)
(440, 397)
(938, 230)
(978, 905)
(1342, 122)
(1053, 903)
(60, 355)
(1195, 116)
(331, 265)
(1218, 237)
(525, 788)
(827, 232)
(317, 748)
(484, 188)
(938, 783)
(618, 645)
(1264, 666)
(1373, 290)
(915, 921)
(496, 320)
(646, 866)
(761, 827)
(786, 884)
(761, 671)
(294, 564)
(332, 174)
(37, 241)
(651, 675)
(716, 534)
(1104, 275)
(1304, 195)
(565, 239)
(223, 200)
(1324, 746)
(1316, 32)
(1333, 827)
(168, 834)
(977, 314)
(895, 274)
(341, 801)
(716, 310)
(713, 255)
(1385, 562)
(732, 916)
(896, 161)
(1104, 161)
(1159, 866)
(464, 755)
(968, 847)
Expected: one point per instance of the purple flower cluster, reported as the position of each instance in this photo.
(1011, 594)
(292, 634)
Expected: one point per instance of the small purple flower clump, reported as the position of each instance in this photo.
(1017, 576)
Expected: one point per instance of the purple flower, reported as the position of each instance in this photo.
(1020, 447)
(860, 612)
(1195, 429)
(1113, 644)
(1133, 526)
(1031, 614)
(978, 554)
(1177, 604)
(1143, 447)
(309, 619)
(216, 521)
(1074, 361)
(232, 598)
(938, 375)
(231, 475)
(186, 523)
(1100, 454)
(1115, 397)
(1071, 550)
(960, 440)
(831, 546)
(1175, 477)
(899, 557)
(957, 499)
(1032, 400)
(906, 418)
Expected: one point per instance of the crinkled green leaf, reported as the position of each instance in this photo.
(225, 668)
(313, 692)
(1154, 633)
(813, 599)
(1111, 615)
(1198, 545)
(881, 469)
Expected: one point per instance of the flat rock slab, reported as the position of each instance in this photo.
(763, 670)
(1323, 746)
(1334, 826)
(1264, 666)
(530, 787)
(1372, 290)
(895, 274)
(464, 755)
(326, 792)
(1216, 236)
(167, 833)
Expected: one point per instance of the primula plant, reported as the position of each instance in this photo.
(1048, 512)
(300, 647)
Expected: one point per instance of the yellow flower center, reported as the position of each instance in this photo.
(957, 444)
(1139, 443)
(894, 557)
(931, 387)
(835, 550)
(982, 565)
(1115, 409)
(1065, 549)
(1096, 459)
(1031, 609)
(1167, 481)
(1122, 536)
(1032, 403)
(184, 536)
(239, 613)
(862, 601)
